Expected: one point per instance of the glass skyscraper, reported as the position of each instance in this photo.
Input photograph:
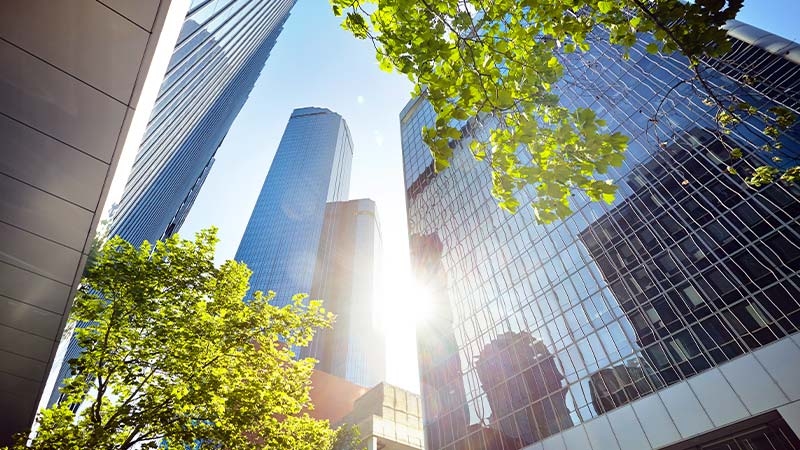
(667, 319)
(220, 52)
(305, 237)
(349, 251)
(310, 169)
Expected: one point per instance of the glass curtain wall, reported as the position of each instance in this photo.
(539, 328)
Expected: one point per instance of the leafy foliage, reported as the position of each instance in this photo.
(348, 437)
(502, 58)
(173, 355)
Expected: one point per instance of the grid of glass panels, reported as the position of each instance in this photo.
(311, 167)
(537, 328)
(220, 52)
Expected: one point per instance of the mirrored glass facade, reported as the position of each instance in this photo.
(220, 52)
(625, 325)
(310, 168)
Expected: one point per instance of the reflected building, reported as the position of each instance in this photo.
(686, 286)
(440, 370)
(693, 292)
(523, 383)
(615, 386)
(488, 438)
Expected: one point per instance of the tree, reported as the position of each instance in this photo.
(505, 58)
(348, 437)
(173, 355)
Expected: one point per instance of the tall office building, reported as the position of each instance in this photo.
(667, 319)
(77, 82)
(220, 51)
(446, 413)
(304, 237)
(349, 250)
(310, 169)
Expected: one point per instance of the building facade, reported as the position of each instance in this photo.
(667, 319)
(388, 418)
(344, 277)
(77, 82)
(310, 169)
(219, 54)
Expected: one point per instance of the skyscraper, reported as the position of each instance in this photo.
(220, 51)
(445, 403)
(304, 237)
(346, 265)
(666, 320)
(310, 168)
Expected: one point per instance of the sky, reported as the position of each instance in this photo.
(316, 63)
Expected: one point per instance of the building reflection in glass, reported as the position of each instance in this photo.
(444, 398)
(684, 289)
(688, 269)
(524, 386)
(615, 386)
(486, 438)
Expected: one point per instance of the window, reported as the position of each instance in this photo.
(757, 314)
(679, 350)
(655, 319)
(691, 294)
(765, 432)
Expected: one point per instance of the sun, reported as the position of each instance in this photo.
(404, 303)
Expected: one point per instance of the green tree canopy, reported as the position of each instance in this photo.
(173, 355)
(503, 58)
(348, 437)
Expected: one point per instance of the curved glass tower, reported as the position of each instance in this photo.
(310, 168)
(304, 237)
(667, 319)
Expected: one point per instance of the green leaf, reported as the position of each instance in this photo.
(385, 65)
(504, 59)
(605, 7)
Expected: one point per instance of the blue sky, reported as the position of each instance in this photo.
(316, 63)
